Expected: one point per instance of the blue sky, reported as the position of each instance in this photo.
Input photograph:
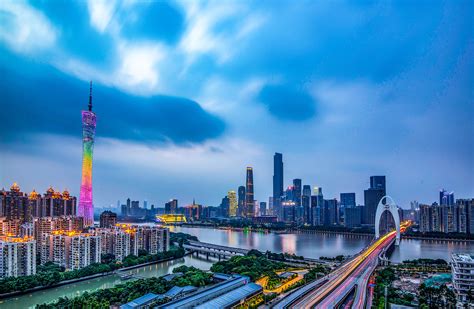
(189, 93)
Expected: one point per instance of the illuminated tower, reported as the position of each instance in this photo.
(86, 207)
(249, 197)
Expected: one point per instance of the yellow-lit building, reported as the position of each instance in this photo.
(17, 256)
(232, 203)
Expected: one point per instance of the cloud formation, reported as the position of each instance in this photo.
(344, 90)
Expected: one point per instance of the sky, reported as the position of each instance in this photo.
(189, 93)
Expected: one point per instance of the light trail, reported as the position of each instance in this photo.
(344, 278)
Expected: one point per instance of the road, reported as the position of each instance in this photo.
(340, 282)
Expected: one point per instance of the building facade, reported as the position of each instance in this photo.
(249, 195)
(462, 270)
(108, 219)
(17, 256)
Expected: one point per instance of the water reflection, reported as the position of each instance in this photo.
(325, 244)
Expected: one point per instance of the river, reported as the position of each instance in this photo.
(325, 244)
(308, 245)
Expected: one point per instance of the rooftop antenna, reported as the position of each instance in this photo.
(90, 97)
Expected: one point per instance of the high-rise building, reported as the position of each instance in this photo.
(372, 197)
(124, 239)
(232, 203)
(129, 207)
(378, 182)
(86, 206)
(306, 204)
(124, 210)
(288, 210)
(449, 217)
(446, 198)
(425, 218)
(108, 219)
(317, 207)
(462, 270)
(466, 215)
(193, 212)
(249, 194)
(241, 201)
(330, 212)
(171, 207)
(224, 207)
(352, 216)
(297, 191)
(263, 208)
(70, 249)
(299, 213)
(277, 184)
(135, 210)
(47, 225)
(348, 200)
(17, 257)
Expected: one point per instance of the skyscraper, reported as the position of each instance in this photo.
(241, 201)
(297, 199)
(86, 206)
(232, 203)
(446, 198)
(306, 204)
(171, 207)
(277, 183)
(372, 197)
(378, 182)
(348, 200)
(317, 207)
(249, 197)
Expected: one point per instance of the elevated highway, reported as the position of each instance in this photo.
(354, 274)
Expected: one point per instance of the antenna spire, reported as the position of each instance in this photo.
(90, 97)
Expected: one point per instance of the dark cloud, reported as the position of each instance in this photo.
(287, 103)
(44, 100)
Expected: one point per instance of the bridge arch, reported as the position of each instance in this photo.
(387, 204)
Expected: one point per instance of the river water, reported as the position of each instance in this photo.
(308, 245)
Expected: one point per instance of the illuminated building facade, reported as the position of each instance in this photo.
(171, 219)
(249, 195)
(86, 207)
(17, 257)
(48, 225)
(70, 249)
(232, 203)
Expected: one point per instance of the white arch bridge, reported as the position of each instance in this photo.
(387, 204)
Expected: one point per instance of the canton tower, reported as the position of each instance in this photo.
(86, 207)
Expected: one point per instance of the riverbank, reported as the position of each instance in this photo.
(29, 301)
(66, 282)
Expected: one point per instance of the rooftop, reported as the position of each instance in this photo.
(233, 297)
(463, 257)
(140, 301)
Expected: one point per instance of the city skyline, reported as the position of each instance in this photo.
(336, 117)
